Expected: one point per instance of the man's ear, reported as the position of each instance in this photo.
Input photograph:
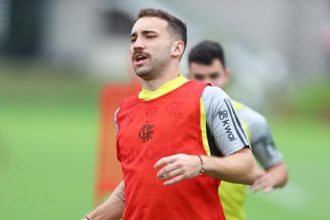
(178, 48)
(227, 73)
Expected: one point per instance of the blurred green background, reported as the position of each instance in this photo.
(55, 57)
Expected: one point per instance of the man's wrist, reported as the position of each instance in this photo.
(87, 217)
(201, 171)
(208, 165)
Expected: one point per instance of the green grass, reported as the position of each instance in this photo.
(48, 139)
(48, 157)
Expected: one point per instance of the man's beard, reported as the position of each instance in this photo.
(144, 72)
(152, 70)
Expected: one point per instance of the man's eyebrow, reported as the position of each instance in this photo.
(149, 32)
(144, 32)
(133, 34)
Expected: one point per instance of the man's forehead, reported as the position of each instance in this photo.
(215, 64)
(203, 68)
(149, 24)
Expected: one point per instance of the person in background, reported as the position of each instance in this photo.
(207, 63)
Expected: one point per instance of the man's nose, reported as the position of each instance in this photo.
(208, 80)
(138, 44)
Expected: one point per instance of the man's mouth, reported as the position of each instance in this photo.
(140, 59)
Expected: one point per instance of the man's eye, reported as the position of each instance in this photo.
(214, 76)
(132, 40)
(150, 36)
(199, 77)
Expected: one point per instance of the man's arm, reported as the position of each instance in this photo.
(237, 166)
(112, 208)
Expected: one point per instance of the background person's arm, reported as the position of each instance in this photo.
(275, 173)
(275, 176)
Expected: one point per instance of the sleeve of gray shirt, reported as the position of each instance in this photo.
(263, 146)
(224, 129)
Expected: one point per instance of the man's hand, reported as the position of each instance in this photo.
(265, 181)
(178, 167)
(275, 176)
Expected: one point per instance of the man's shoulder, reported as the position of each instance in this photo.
(213, 92)
(251, 117)
(214, 99)
(129, 101)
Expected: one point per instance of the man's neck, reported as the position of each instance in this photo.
(154, 84)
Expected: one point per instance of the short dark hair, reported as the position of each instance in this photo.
(205, 52)
(176, 26)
